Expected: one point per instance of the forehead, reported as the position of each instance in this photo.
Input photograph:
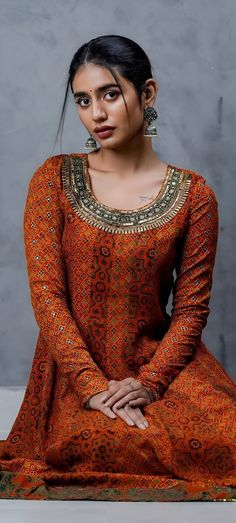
(90, 77)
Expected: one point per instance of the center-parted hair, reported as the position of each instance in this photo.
(111, 51)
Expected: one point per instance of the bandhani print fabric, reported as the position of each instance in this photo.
(100, 279)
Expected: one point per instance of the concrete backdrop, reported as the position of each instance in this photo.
(192, 49)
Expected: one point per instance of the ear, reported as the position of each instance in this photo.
(150, 92)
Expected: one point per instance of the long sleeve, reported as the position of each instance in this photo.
(43, 228)
(191, 293)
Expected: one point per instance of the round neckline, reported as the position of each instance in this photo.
(157, 198)
(167, 203)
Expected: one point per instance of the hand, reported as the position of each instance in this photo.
(128, 391)
(131, 415)
(96, 402)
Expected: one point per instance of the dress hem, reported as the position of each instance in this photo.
(23, 486)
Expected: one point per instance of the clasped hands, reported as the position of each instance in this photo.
(124, 399)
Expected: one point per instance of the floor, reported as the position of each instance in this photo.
(20, 511)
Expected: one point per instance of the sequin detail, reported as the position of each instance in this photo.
(100, 303)
(161, 210)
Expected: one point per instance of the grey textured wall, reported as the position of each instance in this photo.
(192, 48)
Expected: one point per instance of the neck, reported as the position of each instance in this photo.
(129, 159)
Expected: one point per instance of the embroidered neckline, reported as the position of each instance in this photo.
(169, 200)
(87, 180)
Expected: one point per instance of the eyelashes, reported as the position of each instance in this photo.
(77, 101)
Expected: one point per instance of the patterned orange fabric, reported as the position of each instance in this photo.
(99, 292)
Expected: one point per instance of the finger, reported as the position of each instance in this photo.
(114, 385)
(108, 412)
(118, 385)
(108, 394)
(125, 416)
(128, 398)
(126, 381)
(126, 389)
(112, 382)
(112, 397)
(132, 417)
(136, 415)
(135, 385)
(139, 402)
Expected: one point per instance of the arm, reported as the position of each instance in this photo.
(191, 294)
(43, 228)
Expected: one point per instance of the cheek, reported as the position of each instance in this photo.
(124, 120)
(118, 111)
(84, 117)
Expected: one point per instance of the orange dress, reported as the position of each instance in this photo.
(100, 279)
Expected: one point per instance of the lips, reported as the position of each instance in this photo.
(104, 132)
(104, 128)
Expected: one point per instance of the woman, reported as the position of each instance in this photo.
(124, 402)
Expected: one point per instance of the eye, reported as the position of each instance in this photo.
(78, 101)
(114, 93)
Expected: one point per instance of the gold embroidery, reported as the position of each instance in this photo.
(160, 211)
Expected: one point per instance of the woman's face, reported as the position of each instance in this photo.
(100, 103)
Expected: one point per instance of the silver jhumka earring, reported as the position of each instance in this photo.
(91, 143)
(150, 114)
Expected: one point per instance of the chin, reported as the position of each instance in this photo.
(115, 144)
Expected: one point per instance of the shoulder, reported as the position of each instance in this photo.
(51, 166)
(200, 191)
(50, 169)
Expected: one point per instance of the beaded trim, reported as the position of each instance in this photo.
(162, 209)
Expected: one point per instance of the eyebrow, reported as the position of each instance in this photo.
(98, 90)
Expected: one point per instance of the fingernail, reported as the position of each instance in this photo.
(131, 423)
(146, 424)
(142, 426)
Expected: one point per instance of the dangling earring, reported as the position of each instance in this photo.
(150, 114)
(91, 143)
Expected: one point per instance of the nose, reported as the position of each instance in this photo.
(98, 111)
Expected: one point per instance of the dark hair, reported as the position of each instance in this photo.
(110, 51)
